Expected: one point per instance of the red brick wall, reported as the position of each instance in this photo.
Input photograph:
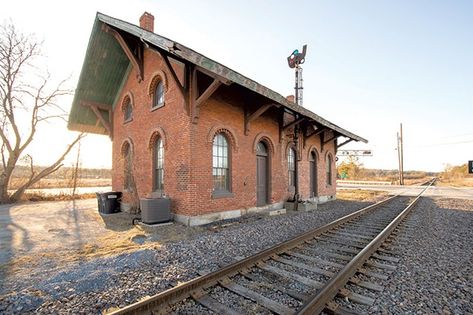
(188, 147)
(171, 119)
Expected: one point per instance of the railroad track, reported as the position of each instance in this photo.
(336, 268)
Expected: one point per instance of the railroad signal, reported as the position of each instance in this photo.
(295, 60)
(470, 167)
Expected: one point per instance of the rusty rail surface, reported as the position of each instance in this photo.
(160, 302)
(317, 304)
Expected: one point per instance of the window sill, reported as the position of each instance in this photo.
(222, 194)
(127, 121)
(156, 107)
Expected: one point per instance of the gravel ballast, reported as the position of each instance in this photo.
(100, 284)
(434, 274)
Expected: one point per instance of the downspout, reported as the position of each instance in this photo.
(296, 168)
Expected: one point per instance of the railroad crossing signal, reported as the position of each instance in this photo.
(470, 167)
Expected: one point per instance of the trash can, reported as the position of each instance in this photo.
(155, 210)
(109, 202)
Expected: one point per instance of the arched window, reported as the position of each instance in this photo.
(220, 164)
(158, 165)
(127, 166)
(261, 149)
(328, 169)
(291, 167)
(127, 110)
(158, 95)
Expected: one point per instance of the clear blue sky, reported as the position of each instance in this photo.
(370, 64)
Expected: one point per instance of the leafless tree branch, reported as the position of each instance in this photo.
(37, 98)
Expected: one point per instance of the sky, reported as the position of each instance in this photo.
(370, 65)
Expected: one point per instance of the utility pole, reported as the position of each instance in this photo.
(400, 156)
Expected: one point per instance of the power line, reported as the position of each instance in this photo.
(441, 144)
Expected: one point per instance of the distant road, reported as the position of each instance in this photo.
(434, 191)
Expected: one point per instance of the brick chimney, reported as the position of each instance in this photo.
(147, 21)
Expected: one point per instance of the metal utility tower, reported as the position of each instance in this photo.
(295, 60)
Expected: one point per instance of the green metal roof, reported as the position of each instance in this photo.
(105, 68)
(103, 72)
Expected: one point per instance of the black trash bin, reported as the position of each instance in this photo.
(109, 202)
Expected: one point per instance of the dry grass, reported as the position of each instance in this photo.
(61, 183)
(457, 182)
(60, 197)
(113, 243)
(361, 195)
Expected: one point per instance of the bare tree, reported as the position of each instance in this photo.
(26, 101)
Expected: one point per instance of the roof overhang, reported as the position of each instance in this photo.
(106, 68)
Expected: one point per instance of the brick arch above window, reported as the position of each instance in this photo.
(127, 143)
(155, 78)
(313, 148)
(266, 138)
(327, 154)
(289, 144)
(228, 132)
(127, 99)
(157, 89)
(158, 132)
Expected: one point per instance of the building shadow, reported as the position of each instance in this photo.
(10, 232)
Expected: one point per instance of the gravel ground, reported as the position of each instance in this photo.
(95, 285)
(435, 274)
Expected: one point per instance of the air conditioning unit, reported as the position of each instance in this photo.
(155, 210)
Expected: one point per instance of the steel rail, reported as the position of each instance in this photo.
(328, 292)
(184, 290)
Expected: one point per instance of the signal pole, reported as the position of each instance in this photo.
(295, 60)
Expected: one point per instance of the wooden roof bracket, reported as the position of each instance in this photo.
(323, 142)
(330, 139)
(257, 113)
(307, 134)
(281, 124)
(293, 123)
(196, 100)
(214, 75)
(136, 61)
(345, 142)
(97, 108)
(181, 87)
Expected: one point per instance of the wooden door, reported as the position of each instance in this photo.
(313, 175)
(261, 175)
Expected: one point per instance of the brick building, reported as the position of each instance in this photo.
(217, 143)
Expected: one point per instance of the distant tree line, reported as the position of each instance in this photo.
(452, 173)
(352, 169)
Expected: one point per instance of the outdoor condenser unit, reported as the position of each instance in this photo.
(155, 210)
